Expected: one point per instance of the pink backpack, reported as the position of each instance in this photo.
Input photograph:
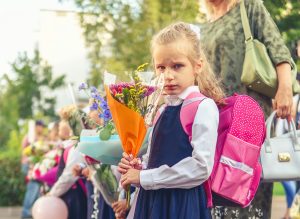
(241, 133)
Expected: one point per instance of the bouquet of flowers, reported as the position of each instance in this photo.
(132, 104)
(99, 146)
(46, 169)
(102, 142)
(36, 150)
(99, 104)
(104, 180)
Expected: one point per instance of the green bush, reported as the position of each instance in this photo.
(278, 189)
(12, 184)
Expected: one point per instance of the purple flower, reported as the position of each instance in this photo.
(104, 105)
(106, 115)
(83, 86)
(97, 96)
(120, 86)
(94, 106)
(94, 90)
(149, 90)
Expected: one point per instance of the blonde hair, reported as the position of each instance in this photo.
(206, 79)
(208, 9)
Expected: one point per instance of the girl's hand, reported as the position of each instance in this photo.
(76, 170)
(86, 172)
(124, 164)
(120, 208)
(136, 163)
(128, 162)
(131, 177)
(283, 102)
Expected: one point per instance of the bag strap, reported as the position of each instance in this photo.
(245, 22)
(293, 135)
(188, 111)
(297, 113)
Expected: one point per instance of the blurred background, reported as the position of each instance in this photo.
(48, 47)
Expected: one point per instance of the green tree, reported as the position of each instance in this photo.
(118, 33)
(287, 17)
(9, 115)
(33, 81)
(26, 93)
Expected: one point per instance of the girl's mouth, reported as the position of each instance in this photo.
(170, 87)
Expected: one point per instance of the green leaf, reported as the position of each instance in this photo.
(105, 134)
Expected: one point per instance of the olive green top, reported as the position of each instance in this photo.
(224, 42)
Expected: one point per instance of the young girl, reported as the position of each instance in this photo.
(68, 187)
(176, 168)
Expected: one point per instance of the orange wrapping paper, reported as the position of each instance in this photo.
(130, 125)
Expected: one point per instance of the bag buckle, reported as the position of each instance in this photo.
(248, 39)
(284, 157)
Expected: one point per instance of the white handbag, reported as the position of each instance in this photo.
(280, 155)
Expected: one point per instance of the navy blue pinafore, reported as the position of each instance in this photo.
(75, 197)
(105, 211)
(170, 144)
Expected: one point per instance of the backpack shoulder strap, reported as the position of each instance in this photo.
(66, 153)
(188, 111)
(187, 115)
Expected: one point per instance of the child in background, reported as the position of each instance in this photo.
(70, 188)
(175, 166)
(33, 186)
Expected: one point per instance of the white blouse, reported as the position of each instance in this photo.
(190, 171)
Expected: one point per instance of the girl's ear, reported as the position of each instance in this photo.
(198, 66)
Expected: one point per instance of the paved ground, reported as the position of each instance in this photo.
(277, 210)
(278, 207)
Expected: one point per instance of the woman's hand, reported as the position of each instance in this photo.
(283, 102)
(284, 97)
(131, 177)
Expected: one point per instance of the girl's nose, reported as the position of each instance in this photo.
(168, 74)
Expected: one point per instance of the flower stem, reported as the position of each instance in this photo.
(128, 197)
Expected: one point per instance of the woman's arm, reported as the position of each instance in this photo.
(264, 29)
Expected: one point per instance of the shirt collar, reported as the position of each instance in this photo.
(175, 100)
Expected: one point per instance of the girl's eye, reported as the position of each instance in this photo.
(160, 68)
(177, 66)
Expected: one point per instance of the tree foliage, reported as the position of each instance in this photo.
(118, 33)
(286, 14)
(32, 85)
(27, 93)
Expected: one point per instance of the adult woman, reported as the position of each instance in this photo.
(223, 40)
